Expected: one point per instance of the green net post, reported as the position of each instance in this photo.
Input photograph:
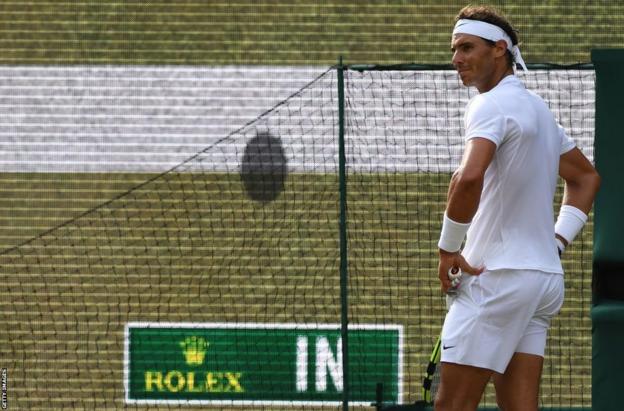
(609, 145)
(343, 238)
(608, 265)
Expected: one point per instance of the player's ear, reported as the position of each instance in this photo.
(500, 48)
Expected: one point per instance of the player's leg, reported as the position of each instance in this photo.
(485, 325)
(518, 388)
(471, 341)
(461, 387)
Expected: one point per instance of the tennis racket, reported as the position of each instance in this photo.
(432, 376)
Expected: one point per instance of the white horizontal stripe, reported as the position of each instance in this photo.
(152, 118)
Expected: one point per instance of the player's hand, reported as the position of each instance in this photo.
(453, 260)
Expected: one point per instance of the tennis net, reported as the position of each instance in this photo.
(214, 269)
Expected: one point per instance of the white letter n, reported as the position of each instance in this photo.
(325, 360)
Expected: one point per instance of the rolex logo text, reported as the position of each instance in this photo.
(197, 379)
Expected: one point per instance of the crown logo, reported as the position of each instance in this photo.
(194, 350)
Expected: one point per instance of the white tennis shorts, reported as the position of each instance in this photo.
(499, 313)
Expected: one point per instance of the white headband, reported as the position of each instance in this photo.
(489, 32)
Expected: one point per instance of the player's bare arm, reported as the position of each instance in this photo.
(581, 180)
(463, 201)
(467, 182)
(581, 185)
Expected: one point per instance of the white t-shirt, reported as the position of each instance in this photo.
(514, 225)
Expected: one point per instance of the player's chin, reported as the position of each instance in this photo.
(465, 78)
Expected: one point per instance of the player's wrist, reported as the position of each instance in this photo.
(561, 245)
(444, 253)
(452, 235)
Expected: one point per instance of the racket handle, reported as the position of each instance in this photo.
(455, 275)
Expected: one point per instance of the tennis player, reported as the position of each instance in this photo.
(500, 200)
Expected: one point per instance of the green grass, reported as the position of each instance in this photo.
(194, 247)
(299, 32)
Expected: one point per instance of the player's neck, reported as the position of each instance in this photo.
(495, 78)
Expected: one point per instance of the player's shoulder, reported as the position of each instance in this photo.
(483, 104)
(538, 100)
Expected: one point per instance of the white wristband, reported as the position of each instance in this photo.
(453, 234)
(570, 222)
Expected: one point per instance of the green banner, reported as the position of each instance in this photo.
(251, 363)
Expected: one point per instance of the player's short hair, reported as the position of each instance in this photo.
(490, 14)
